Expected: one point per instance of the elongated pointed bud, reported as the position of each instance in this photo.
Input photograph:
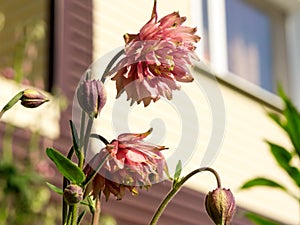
(91, 96)
(32, 98)
(220, 206)
(73, 194)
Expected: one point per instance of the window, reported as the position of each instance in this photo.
(24, 49)
(245, 38)
(249, 43)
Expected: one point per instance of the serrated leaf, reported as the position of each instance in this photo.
(260, 181)
(66, 167)
(55, 189)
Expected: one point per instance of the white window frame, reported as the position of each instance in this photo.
(286, 67)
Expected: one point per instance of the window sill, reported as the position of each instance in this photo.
(243, 86)
(44, 119)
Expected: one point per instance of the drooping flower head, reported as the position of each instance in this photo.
(156, 58)
(133, 163)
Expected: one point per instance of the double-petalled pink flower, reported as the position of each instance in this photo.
(132, 163)
(156, 59)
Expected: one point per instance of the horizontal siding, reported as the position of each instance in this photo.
(73, 55)
(243, 154)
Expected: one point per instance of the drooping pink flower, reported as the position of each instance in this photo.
(156, 58)
(133, 163)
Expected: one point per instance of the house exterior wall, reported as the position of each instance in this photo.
(243, 153)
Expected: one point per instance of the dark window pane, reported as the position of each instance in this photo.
(249, 42)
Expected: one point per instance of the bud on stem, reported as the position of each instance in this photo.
(91, 96)
(73, 194)
(32, 98)
(220, 205)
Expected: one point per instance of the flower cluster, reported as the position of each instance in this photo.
(156, 58)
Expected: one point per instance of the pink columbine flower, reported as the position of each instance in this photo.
(133, 163)
(156, 58)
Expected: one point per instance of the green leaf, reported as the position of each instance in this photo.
(294, 174)
(277, 119)
(260, 181)
(259, 220)
(177, 174)
(66, 167)
(55, 189)
(75, 139)
(292, 125)
(283, 158)
(178, 170)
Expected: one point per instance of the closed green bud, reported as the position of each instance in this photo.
(220, 206)
(73, 194)
(32, 98)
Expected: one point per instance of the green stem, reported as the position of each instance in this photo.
(65, 212)
(110, 64)
(92, 175)
(177, 187)
(11, 103)
(69, 218)
(82, 127)
(87, 135)
(7, 153)
(74, 214)
(96, 214)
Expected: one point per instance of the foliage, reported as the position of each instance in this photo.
(289, 122)
(23, 196)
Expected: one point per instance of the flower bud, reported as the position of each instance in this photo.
(73, 194)
(32, 98)
(91, 96)
(220, 206)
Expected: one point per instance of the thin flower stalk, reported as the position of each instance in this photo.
(177, 187)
